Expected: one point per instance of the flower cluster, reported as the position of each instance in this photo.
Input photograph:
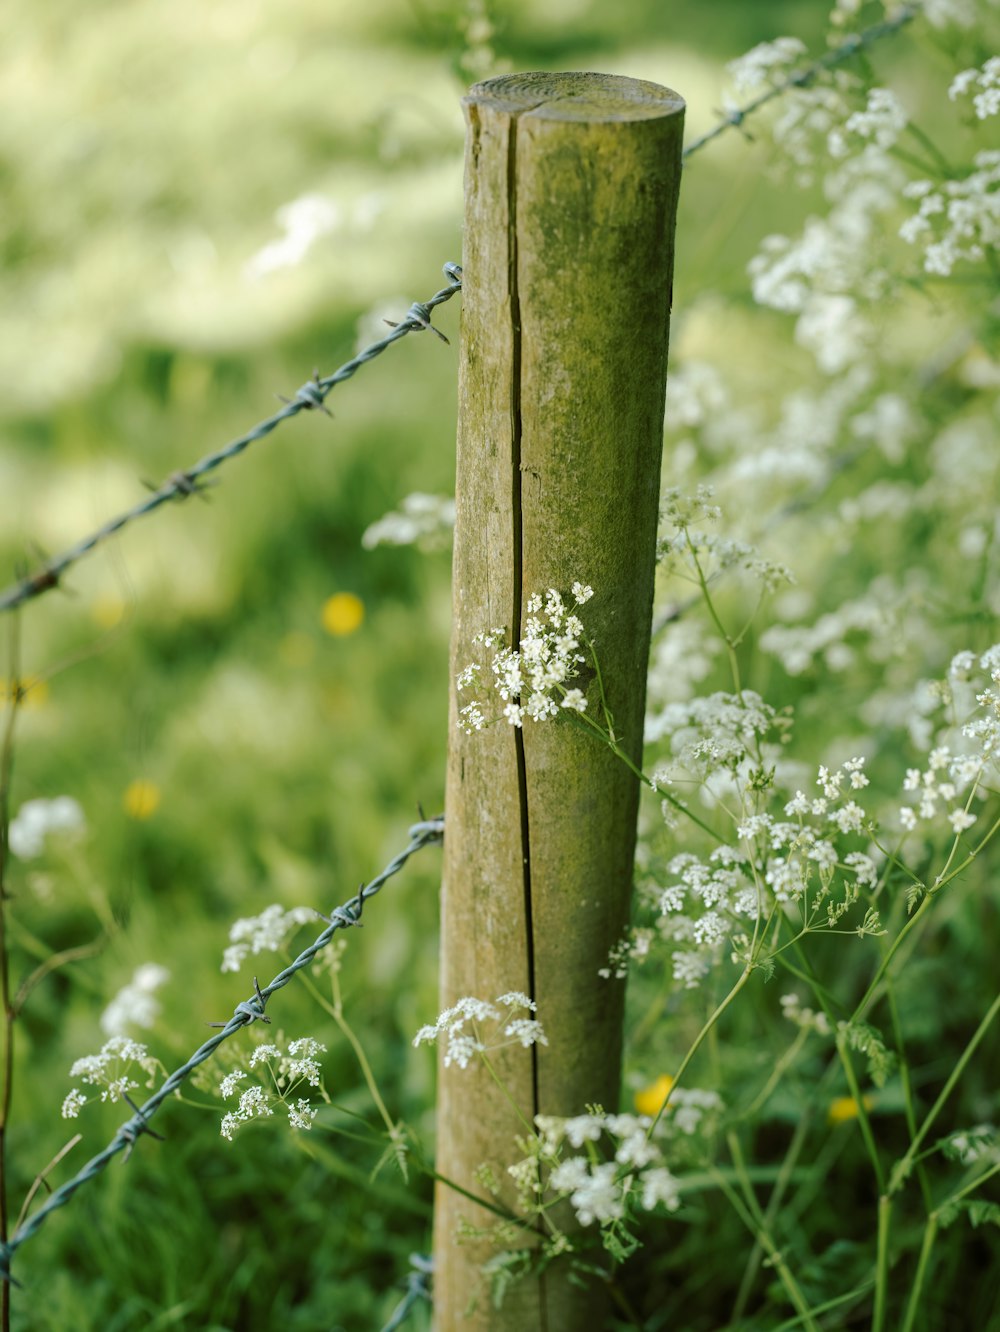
(807, 1019)
(535, 681)
(424, 521)
(981, 1143)
(957, 760)
(266, 933)
(110, 1069)
(829, 275)
(881, 123)
(605, 1190)
(37, 818)
(286, 1073)
(462, 1027)
(706, 903)
(959, 220)
(944, 779)
(136, 1005)
(873, 620)
(716, 554)
(764, 65)
(720, 731)
(985, 82)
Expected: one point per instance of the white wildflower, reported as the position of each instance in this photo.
(985, 82)
(301, 1114)
(263, 1052)
(598, 1196)
(302, 222)
(267, 932)
(135, 1005)
(534, 681)
(36, 819)
(764, 64)
(660, 1186)
(73, 1103)
(958, 221)
(882, 121)
(426, 521)
(111, 1069)
(230, 1083)
(462, 1044)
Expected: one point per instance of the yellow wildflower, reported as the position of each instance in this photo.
(342, 614)
(142, 799)
(651, 1100)
(844, 1108)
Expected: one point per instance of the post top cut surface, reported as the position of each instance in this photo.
(576, 96)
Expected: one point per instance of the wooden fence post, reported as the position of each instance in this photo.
(571, 196)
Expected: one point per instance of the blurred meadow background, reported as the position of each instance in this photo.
(202, 203)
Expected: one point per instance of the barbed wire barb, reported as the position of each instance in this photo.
(801, 78)
(181, 485)
(425, 833)
(418, 1287)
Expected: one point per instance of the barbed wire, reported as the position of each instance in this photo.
(311, 396)
(182, 484)
(850, 46)
(418, 1287)
(424, 833)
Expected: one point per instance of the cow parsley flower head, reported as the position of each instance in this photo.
(426, 521)
(765, 64)
(984, 83)
(112, 1069)
(266, 933)
(474, 1026)
(535, 681)
(36, 819)
(636, 1174)
(136, 1005)
(957, 221)
(279, 1073)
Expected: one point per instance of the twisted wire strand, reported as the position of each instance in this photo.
(424, 833)
(312, 395)
(181, 485)
(801, 78)
(418, 1287)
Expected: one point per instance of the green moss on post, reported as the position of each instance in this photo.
(571, 194)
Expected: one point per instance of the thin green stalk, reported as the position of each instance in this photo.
(928, 143)
(864, 1122)
(923, 1265)
(818, 1309)
(909, 1107)
(882, 1263)
(529, 1127)
(609, 738)
(495, 1208)
(777, 1073)
(734, 665)
(941, 882)
(971, 1187)
(902, 1168)
(795, 1296)
(696, 1044)
(773, 1203)
(8, 1014)
(336, 1011)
